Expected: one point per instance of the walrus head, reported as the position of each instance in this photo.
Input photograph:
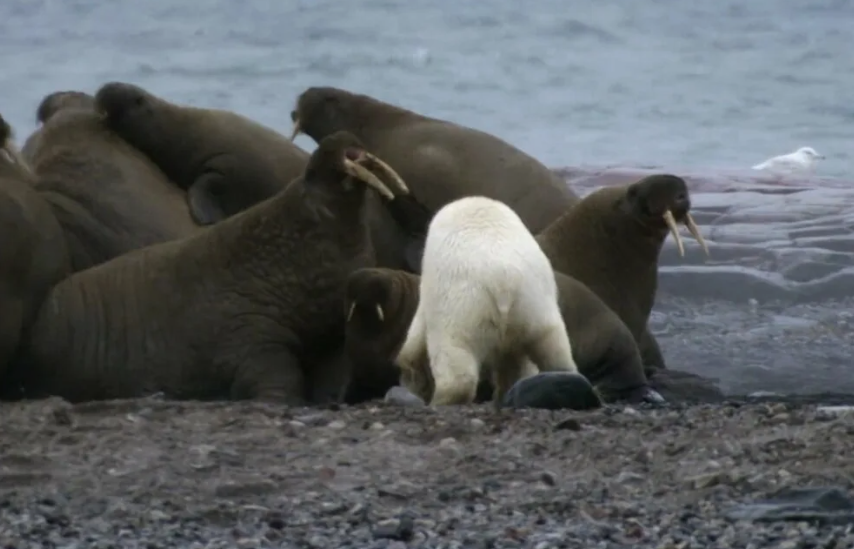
(60, 100)
(121, 104)
(342, 156)
(322, 111)
(10, 156)
(660, 202)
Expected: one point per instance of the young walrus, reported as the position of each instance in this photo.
(382, 303)
(611, 240)
(440, 161)
(225, 161)
(249, 309)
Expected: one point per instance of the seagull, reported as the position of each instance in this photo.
(801, 161)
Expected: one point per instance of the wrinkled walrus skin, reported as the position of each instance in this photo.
(440, 161)
(225, 162)
(33, 256)
(108, 197)
(251, 308)
(383, 303)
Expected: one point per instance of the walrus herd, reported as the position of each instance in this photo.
(153, 247)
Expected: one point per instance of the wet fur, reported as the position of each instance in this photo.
(611, 241)
(440, 161)
(248, 309)
(488, 297)
(225, 162)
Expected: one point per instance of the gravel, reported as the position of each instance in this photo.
(150, 473)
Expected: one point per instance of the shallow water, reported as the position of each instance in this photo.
(692, 88)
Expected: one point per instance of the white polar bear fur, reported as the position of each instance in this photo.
(488, 297)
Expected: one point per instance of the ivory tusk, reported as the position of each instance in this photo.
(695, 232)
(297, 129)
(352, 308)
(362, 173)
(389, 171)
(380, 312)
(671, 223)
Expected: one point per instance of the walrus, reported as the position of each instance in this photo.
(224, 161)
(381, 304)
(610, 241)
(108, 197)
(440, 161)
(251, 308)
(59, 100)
(33, 256)
(50, 105)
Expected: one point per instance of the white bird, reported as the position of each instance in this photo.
(801, 161)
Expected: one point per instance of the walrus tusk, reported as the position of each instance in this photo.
(297, 129)
(695, 232)
(352, 308)
(360, 172)
(389, 171)
(380, 312)
(671, 223)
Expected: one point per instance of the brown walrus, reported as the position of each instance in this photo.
(224, 161)
(440, 161)
(50, 105)
(382, 303)
(248, 309)
(108, 197)
(33, 255)
(60, 100)
(611, 240)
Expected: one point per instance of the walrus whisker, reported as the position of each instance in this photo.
(350, 313)
(695, 232)
(362, 173)
(389, 171)
(671, 223)
(380, 312)
(296, 131)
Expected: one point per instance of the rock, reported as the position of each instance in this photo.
(548, 478)
(683, 387)
(402, 529)
(336, 425)
(401, 396)
(568, 424)
(477, 423)
(553, 391)
(823, 505)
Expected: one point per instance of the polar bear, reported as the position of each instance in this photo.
(488, 301)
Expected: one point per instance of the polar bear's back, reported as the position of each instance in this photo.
(480, 257)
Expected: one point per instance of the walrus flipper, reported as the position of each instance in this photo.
(204, 199)
(272, 376)
(651, 354)
(328, 379)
